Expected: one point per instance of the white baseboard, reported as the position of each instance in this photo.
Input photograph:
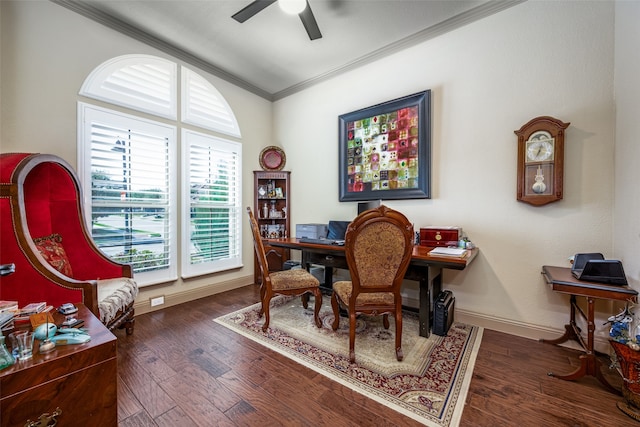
(520, 329)
(143, 306)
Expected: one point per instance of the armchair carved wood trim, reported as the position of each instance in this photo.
(288, 282)
(378, 247)
(41, 198)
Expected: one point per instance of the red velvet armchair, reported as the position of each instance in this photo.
(41, 200)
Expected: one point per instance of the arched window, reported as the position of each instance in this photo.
(202, 105)
(140, 82)
(129, 165)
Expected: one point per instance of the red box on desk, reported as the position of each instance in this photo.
(439, 236)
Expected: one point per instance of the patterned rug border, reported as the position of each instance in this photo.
(449, 417)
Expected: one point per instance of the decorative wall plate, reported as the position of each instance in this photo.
(272, 158)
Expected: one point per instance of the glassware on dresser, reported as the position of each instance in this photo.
(6, 359)
(25, 344)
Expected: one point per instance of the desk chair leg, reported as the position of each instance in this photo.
(266, 319)
(262, 296)
(336, 312)
(352, 336)
(317, 295)
(265, 309)
(399, 354)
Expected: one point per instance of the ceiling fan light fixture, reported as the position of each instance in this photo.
(292, 7)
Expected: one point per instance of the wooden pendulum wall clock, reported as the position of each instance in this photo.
(541, 160)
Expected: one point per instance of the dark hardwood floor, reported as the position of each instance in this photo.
(180, 368)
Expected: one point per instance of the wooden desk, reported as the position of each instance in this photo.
(561, 280)
(80, 379)
(424, 268)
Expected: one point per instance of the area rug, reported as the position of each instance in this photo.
(429, 385)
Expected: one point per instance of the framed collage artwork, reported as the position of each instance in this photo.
(385, 150)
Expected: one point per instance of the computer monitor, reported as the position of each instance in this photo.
(337, 229)
(365, 206)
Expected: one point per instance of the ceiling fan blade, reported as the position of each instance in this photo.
(252, 9)
(309, 22)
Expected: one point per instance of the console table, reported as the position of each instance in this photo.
(79, 379)
(561, 280)
(424, 268)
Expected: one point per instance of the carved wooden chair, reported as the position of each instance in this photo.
(288, 282)
(378, 246)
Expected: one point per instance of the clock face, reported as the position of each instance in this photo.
(540, 147)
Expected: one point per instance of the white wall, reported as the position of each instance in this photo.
(487, 80)
(47, 52)
(627, 95)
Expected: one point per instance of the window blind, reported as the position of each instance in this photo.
(141, 82)
(212, 182)
(131, 193)
(202, 105)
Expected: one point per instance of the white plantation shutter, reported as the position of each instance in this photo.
(131, 191)
(212, 182)
(141, 82)
(129, 169)
(202, 105)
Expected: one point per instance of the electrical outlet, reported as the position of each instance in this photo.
(157, 301)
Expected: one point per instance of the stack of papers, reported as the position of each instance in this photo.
(8, 306)
(32, 308)
(456, 252)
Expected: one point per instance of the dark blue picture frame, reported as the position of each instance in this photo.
(385, 150)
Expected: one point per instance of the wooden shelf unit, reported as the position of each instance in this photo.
(272, 191)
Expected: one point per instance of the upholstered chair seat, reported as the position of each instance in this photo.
(292, 279)
(115, 296)
(344, 289)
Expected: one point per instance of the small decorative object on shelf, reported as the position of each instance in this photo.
(272, 158)
(273, 210)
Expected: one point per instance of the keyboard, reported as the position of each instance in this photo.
(321, 241)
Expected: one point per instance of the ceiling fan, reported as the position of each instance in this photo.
(304, 11)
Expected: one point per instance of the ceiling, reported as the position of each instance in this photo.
(270, 54)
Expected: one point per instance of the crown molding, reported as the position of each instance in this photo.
(85, 9)
(486, 9)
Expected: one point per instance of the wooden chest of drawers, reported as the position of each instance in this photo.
(79, 379)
